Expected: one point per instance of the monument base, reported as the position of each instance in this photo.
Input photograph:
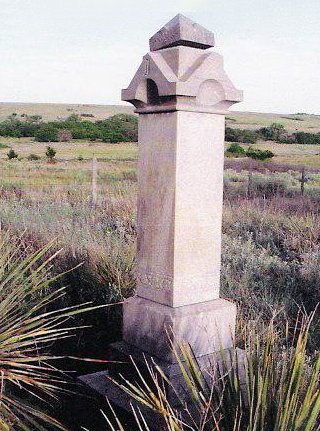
(126, 358)
(150, 331)
(207, 326)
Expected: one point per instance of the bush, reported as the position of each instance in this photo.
(257, 154)
(307, 138)
(12, 154)
(272, 132)
(13, 127)
(33, 157)
(241, 135)
(64, 135)
(119, 128)
(51, 153)
(46, 133)
(236, 149)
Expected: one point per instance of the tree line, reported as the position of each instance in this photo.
(118, 128)
(124, 128)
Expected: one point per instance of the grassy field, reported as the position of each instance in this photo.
(291, 122)
(293, 154)
(55, 111)
(271, 232)
(248, 120)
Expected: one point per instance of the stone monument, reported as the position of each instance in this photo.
(181, 93)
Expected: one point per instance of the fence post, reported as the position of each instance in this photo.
(303, 180)
(94, 181)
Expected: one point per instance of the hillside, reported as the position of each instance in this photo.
(249, 120)
(54, 111)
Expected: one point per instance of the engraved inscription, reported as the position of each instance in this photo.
(154, 280)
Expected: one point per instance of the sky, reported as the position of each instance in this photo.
(85, 51)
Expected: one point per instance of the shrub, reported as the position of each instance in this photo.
(236, 149)
(272, 132)
(241, 135)
(307, 138)
(46, 133)
(80, 158)
(257, 154)
(64, 135)
(16, 128)
(33, 157)
(51, 153)
(119, 128)
(113, 136)
(12, 154)
(287, 138)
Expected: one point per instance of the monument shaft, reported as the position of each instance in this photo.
(180, 179)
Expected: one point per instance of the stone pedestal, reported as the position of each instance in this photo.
(181, 93)
(207, 327)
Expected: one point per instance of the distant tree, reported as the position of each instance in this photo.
(241, 135)
(64, 135)
(46, 133)
(307, 138)
(12, 154)
(51, 153)
(273, 132)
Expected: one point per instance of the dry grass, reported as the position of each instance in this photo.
(292, 122)
(271, 241)
(54, 111)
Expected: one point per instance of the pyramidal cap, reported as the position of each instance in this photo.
(182, 31)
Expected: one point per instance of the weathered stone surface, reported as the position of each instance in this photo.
(180, 178)
(181, 78)
(182, 31)
(208, 327)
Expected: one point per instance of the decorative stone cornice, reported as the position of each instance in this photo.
(184, 77)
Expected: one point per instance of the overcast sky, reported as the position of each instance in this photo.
(85, 51)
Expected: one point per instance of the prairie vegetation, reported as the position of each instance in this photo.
(270, 231)
(271, 238)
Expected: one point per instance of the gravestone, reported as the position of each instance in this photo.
(181, 93)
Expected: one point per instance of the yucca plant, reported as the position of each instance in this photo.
(28, 379)
(274, 386)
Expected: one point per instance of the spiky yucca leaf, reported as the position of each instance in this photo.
(273, 387)
(27, 378)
